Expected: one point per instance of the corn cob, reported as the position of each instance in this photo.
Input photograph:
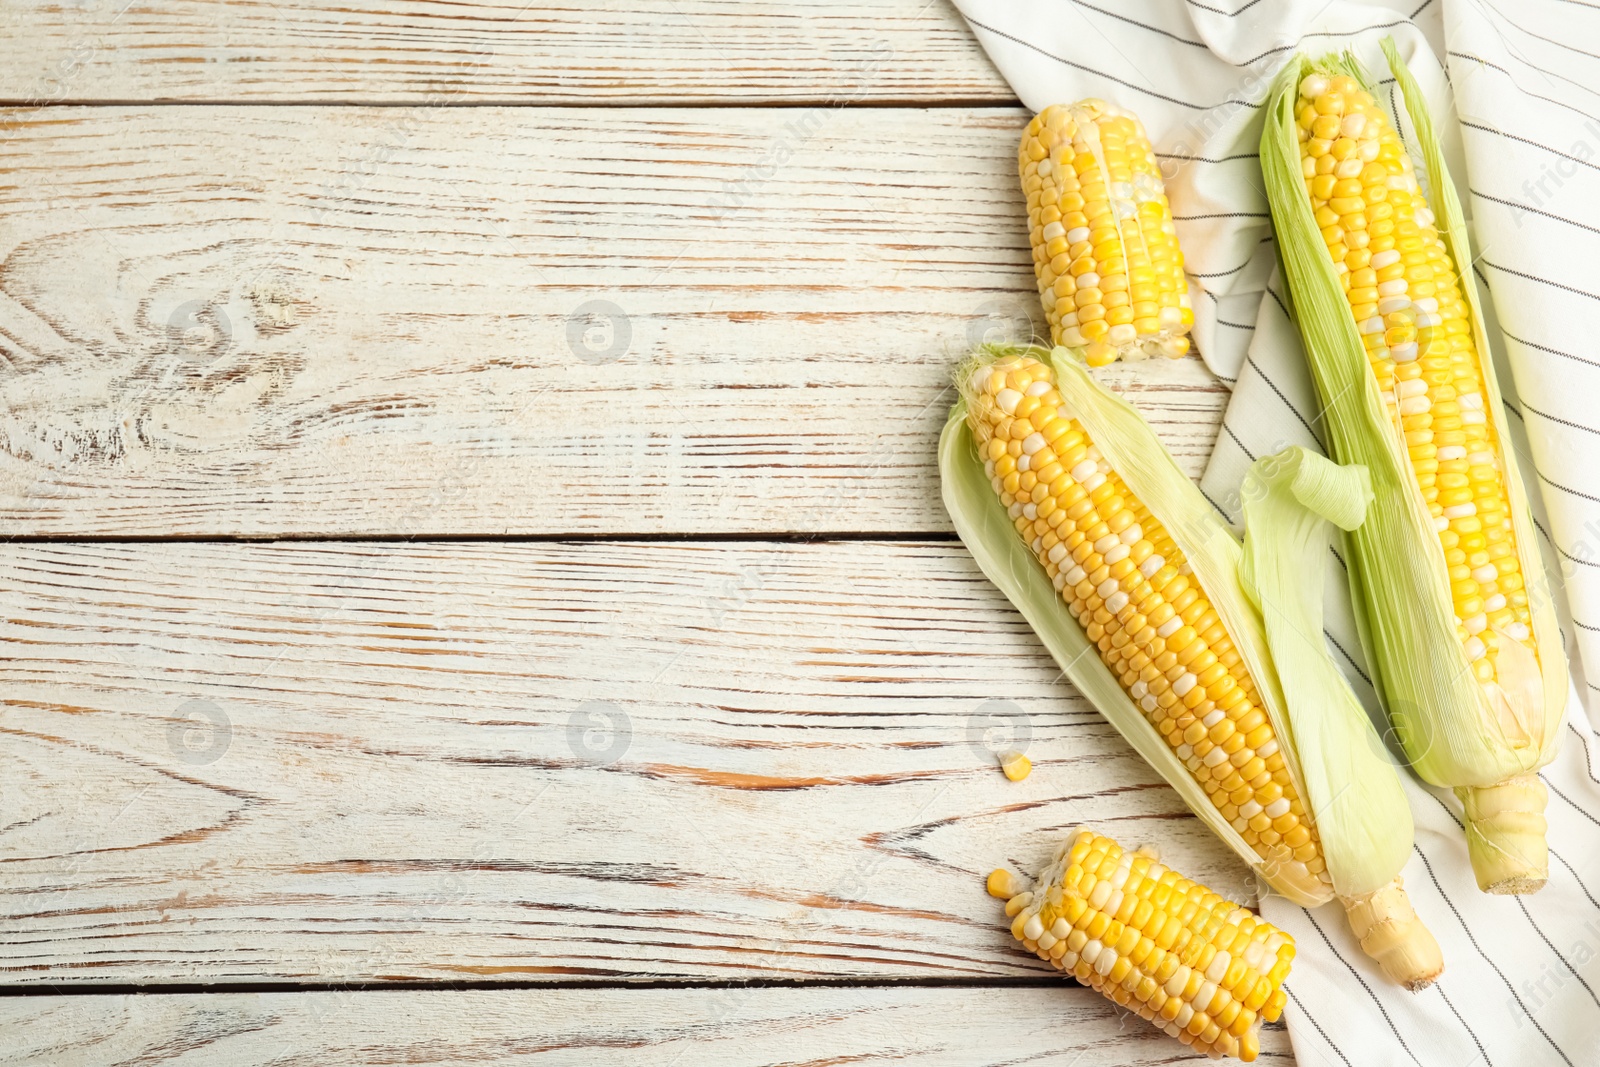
(1105, 251)
(1132, 590)
(1199, 967)
(1182, 668)
(1468, 661)
(1403, 290)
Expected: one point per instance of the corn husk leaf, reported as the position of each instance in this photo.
(1543, 696)
(1455, 731)
(1352, 787)
(1132, 448)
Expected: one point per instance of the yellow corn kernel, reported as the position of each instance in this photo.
(1016, 765)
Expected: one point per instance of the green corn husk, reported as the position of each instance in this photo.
(1361, 812)
(1487, 741)
(1368, 844)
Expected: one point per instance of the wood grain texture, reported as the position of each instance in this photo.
(382, 321)
(593, 763)
(728, 1027)
(501, 51)
(402, 761)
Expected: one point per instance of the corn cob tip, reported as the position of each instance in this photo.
(1391, 934)
(1197, 966)
(1506, 835)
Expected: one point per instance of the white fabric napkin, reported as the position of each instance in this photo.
(1522, 127)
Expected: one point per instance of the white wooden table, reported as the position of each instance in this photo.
(475, 585)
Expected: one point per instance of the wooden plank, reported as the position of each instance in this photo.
(333, 762)
(720, 1027)
(499, 51)
(376, 321)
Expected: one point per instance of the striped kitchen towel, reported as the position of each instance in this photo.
(1518, 101)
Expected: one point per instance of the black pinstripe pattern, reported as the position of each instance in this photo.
(1222, 11)
(1524, 60)
(1440, 987)
(1570, 802)
(1204, 159)
(1479, 948)
(1090, 70)
(1142, 25)
(1555, 951)
(1536, 278)
(1588, 762)
(1311, 917)
(1512, 79)
(1536, 36)
(1297, 1003)
(1558, 419)
(1531, 210)
(1267, 378)
(1468, 124)
(1547, 349)
(1579, 882)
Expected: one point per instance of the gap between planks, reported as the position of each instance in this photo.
(908, 104)
(71, 989)
(820, 537)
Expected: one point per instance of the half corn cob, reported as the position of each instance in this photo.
(1200, 967)
(1105, 250)
(1460, 627)
(1151, 582)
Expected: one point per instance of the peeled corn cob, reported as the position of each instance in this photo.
(1132, 590)
(1151, 582)
(1461, 630)
(1105, 250)
(1199, 967)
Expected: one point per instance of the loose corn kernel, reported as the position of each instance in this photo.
(1016, 765)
